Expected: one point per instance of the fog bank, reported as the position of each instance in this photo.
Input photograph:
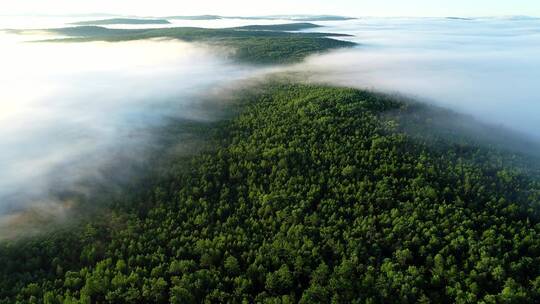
(68, 110)
(487, 67)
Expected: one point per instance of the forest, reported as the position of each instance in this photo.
(260, 44)
(308, 194)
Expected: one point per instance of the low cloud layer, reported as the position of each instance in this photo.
(67, 110)
(486, 67)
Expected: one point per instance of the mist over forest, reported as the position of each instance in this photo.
(276, 159)
(71, 110)
(485, 67)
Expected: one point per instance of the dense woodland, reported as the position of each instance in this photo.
(254, 44)
(311, 194)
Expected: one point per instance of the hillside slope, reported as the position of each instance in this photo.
(312, 195)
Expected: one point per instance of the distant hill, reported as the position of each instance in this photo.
(122, 21)
(261, 44)
(459, 18)
(320, 18)
(200, 17)
(297, 17)
(280, 27)
(272, 17)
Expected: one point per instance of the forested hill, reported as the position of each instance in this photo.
(312, 195)
(256, 44)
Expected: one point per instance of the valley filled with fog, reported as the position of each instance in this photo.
(67, 110)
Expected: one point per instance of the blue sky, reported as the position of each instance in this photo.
(251, 7)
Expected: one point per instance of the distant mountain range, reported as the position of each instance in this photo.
(199, 17)
(122, 21)
(459, 18)
(271, 17)
(165, 20)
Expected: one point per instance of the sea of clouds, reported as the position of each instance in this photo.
(67, 110)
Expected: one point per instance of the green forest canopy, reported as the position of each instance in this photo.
(263, 44)
(312, 194)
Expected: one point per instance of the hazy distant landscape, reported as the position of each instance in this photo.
(269, 159)
(122, 21)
